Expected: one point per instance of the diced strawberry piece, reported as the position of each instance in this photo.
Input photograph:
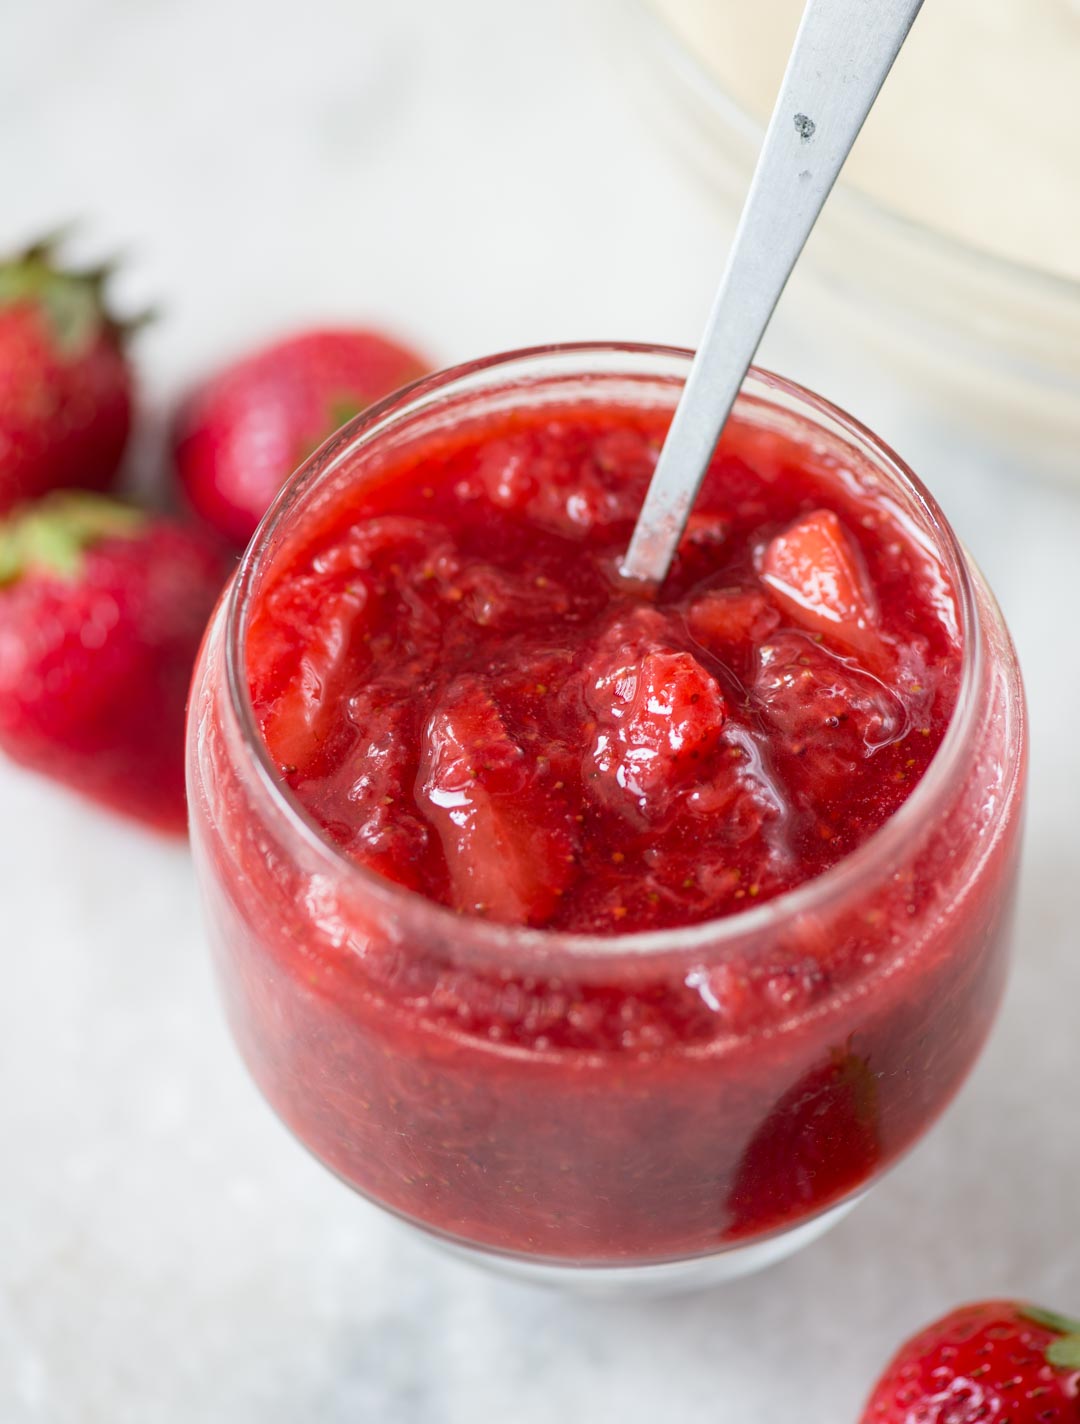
(745, 991)
(570, 488)
(700, 547)
(628, 454)
(388, 539)
(659, 717)
(508, 841)
(726, 619)
(821, 1140)
(815, 573)
(384, 833)
(705, 532)
(831, 713)
(299, 716)
(742, 798)
(496, 598)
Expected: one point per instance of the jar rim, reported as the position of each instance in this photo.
(862, 866)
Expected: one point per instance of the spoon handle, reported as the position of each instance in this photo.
(843, 52)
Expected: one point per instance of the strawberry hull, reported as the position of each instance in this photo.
(647, 1092)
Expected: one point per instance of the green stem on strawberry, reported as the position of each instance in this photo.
(72, 298)
(53, 534)
(1063, 1353)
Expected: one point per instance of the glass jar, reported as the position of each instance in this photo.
(988, 342)
(417, 1052)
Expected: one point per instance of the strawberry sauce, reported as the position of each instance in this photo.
(458, 692)
(452, 680)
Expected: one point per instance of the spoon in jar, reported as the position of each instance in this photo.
(842, 54)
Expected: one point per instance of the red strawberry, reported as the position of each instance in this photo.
(815, 573)
(102, 609)
(993, 1361)
(66, 384)
(242, 433)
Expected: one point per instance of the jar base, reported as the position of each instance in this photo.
(666, 1278)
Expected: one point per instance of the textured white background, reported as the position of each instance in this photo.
(476, 175)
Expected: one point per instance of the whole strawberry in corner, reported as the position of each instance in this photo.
(102, 609)
(242, 433)
(65, 381)
(992, 1363)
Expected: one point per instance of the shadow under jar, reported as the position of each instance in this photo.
(599, 1110)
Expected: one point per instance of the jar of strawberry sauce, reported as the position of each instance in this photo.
(553, 1076)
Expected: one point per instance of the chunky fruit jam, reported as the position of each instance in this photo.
(455, 682)
(460, 694)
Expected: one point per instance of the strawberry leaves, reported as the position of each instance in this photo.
(1064, 1353)
(72, 302)
(53, 534)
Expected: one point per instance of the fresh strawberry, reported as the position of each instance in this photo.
(65, 382)
(508, 840)
(242, 433)
(997, 1360)
(815, 573)
(102, 609)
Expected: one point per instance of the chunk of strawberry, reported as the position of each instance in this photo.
(383, 832)
(816, 575)
(727, 620)
(388, 540)
(508, 840)
(700, 548)
(659, 716)
(298, 715)
(833, 715)
(705, 532)
(820, 1141)
(498, 598)
(569, 485)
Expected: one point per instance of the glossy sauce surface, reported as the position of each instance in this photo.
(456, 685)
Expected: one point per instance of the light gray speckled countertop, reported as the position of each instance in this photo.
(476, 176)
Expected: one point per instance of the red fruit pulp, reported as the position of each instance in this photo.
(453, 682)
(455, 686)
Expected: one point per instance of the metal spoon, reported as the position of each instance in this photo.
(842, 54)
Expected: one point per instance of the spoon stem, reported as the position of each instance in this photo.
(843, 52)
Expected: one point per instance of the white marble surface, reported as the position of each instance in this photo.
(477, 176)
